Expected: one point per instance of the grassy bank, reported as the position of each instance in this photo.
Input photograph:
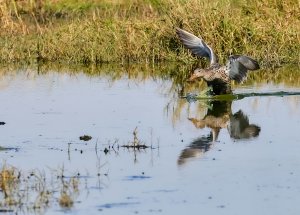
(127, 31)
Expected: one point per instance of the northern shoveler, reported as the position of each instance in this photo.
(217, 77)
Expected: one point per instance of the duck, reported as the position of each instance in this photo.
(218, 77)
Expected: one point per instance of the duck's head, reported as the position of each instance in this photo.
(198, 73)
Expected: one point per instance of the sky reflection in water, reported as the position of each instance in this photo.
(215, 157)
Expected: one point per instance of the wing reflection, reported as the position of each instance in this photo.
(218, 116)
(196, 149)
(239, 127)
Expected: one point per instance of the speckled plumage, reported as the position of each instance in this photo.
(217, 77)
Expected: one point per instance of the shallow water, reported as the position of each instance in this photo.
(234, 157)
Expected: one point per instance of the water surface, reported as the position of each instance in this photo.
(219, 157)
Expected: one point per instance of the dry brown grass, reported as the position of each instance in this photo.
(68, 193)
(9, 181)
(33, 192)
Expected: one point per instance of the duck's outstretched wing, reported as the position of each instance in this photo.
(196, 45)
(238, 65)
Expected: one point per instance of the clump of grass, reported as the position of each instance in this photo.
(97, 31)
(136, 143)
(65, 200)
(9, 182)
(68, 193)
(32, 191)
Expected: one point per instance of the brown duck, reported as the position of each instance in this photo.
(217, 77)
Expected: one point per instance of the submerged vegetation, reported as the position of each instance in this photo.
(34, 192)
(37, 190)
(98, 31)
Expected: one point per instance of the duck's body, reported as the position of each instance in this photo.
(217, 77)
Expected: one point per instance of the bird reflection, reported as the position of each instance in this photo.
(218, 116)
(196, 149)
(239, 127)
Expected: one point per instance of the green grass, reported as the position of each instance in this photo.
(98, 31)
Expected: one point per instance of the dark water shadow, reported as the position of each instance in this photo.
(118, 204)
(136, 178)
(219, 116)
(2, 149)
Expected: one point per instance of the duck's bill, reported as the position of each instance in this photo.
(192, 78)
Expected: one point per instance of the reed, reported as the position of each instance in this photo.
(33, 192)
(98, 31)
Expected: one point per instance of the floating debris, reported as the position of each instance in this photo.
(85, 138)
(143, 146)
(136, 143)
(106, 150)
